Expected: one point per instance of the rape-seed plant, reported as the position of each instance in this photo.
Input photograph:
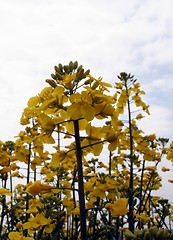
(87, 169)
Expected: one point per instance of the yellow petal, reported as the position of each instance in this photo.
(151, 168)
(48, 139)
(87, 111)
(97, 149)
(46, 122)
(5, 191)
(56, 158)
(14, 236)
(27, 238)
(73, 111)
(164, 169)
(33, 101)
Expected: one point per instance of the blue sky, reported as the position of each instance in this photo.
(107, 36)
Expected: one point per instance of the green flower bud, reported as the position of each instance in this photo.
(147, 236)
(153, 231)
(129, 235)
(66, 69)
(88, 81)
(59, 76)
(165, 234)
(75, 65)
(87, 73)
(54, 76)
(71, 66)
(137, 232)
(160, 235)
(60, 67)
(80, 74)
(95, 85)
(79, 68)
(58, 70)
(51, 82)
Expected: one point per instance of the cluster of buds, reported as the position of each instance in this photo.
(152, 233)
(68, 75)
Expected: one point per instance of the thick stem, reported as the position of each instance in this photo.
(80, 182)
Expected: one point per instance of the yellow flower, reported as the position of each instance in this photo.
(14, 236)
(27, 238)
(69, 204)
(35, 162)
(18, 236)
(36, 222)
(76, 211)
(16, 174)
(34, 101)
(37, 187)
(46, 122)
(112, 137)
(98, 193)
(118, 208)
(143, 216)
(151, 168)
(164, 169)
(91, 202)
(94, 139)
(49, 228)
(139, 116)
(170, 156)
(149, 155)
(98, 82)
(5, 191)
(19, 225)
(81, 106)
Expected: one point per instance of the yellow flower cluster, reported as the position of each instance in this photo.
(116, 158)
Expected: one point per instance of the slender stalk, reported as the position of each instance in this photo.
(27, 195)
(29, 161)
(3, 201)
(2, 213)
(110, 163)
(80, 182)
(140, 196)
(131, 207)
(110, 171)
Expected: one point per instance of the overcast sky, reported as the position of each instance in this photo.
(107, 36)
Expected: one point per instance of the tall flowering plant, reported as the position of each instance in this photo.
(87, 169)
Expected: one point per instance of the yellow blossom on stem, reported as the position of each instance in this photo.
(81, 106)
(164, 169)
(37, 187)
(14, 236)
(4, 191)
(35, 222)
(94, 140)
(143, 216)
(118, 208)
(151, 168)
(18, 236)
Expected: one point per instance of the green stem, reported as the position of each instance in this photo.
(80, 182)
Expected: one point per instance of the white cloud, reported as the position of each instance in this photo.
(106, 36)
(159, 122)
